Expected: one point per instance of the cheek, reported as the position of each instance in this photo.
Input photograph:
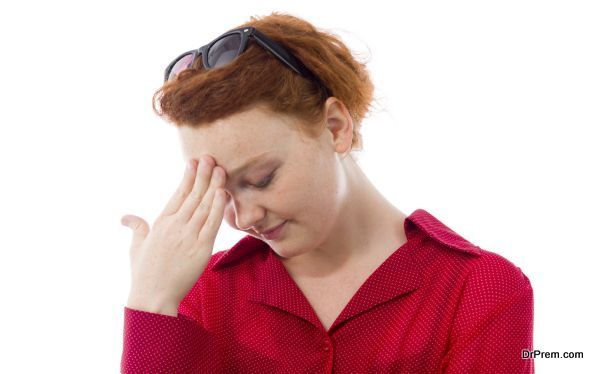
(322, 197)
(315, 191)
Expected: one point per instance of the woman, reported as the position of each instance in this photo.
(330, 277)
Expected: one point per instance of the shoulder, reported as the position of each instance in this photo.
(485, 270)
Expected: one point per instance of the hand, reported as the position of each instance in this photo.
(167, 260)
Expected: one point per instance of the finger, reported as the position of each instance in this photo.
(202, 211)
(139, 226)
(182, 191)
(209, 230)
(202, 185)
(186, 185)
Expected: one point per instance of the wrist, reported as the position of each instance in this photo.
(152, 306)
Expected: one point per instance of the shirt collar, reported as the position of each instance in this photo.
(434, 228)
(398, 275)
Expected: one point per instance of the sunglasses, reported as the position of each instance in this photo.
(228, 46)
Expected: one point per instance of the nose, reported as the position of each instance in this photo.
(247, 213)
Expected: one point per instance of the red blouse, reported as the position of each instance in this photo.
(438, 304)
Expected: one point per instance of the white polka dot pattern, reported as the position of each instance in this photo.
(438, 304)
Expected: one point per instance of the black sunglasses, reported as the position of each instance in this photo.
(228, 46)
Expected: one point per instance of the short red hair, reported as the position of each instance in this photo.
(197, 96)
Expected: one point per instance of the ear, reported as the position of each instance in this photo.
(339, 123)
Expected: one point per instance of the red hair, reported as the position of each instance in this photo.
(197, 97)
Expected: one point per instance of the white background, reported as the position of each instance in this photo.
(488, 116)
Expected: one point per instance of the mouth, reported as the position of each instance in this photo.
(275, 232)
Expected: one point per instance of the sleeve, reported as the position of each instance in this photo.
(159, 343)
(493, 322)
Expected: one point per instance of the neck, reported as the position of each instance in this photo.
(368, 229)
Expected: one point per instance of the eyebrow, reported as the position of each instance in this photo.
(251, 162)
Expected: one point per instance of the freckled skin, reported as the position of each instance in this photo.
(337, 218)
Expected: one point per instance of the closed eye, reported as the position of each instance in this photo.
(265, 182)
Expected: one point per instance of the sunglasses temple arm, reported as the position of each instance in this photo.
(287, 58)
(281, 53)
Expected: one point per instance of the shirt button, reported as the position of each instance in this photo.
(326, 348)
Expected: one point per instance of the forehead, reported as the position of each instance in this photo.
(233, 140)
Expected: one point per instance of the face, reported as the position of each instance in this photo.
(295, 178)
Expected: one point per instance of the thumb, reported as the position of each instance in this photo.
(138, 225)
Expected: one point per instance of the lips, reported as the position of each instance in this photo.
(275, 232)
(273, 229)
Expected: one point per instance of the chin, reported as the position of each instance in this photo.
(284, 255)
(286, 252)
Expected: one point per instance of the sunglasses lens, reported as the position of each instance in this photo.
(183, 63)
(224, 50)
